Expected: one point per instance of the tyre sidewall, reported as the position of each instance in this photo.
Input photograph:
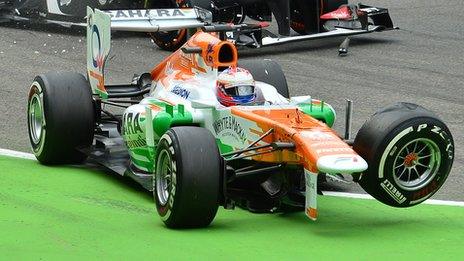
(68, 114)
(194, 195)
(166, 143)
(36, 89)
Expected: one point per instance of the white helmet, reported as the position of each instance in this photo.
(235, 86)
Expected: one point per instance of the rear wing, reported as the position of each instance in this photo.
(100, 24)
(154, 20)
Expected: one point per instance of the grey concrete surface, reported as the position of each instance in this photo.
(421, 63)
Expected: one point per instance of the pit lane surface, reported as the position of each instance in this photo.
(421, 63)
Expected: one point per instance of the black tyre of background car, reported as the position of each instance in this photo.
(187, 179)
(396, 142)
(61, 117)
(173, 40)
(268, 71)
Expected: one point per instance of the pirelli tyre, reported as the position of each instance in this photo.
(268, 71)
(60, 116)
(173, 40)
(186, 185)
(409, 151)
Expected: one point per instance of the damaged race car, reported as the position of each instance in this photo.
(297, 20)
(202, 130)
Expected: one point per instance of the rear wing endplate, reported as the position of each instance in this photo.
(100, 24)
(98, 48)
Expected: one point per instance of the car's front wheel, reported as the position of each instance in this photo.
(186, 183)
(409, 151)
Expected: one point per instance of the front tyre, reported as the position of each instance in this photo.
(409, 151)
(60, 116)
(186, 185)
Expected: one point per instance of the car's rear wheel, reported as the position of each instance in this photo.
(186, 184)
(409, 151)
(60, 116)
(268, 71)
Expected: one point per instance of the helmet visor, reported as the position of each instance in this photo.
(240, 90)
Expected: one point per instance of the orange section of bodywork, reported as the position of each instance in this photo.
(312, 138)
(100, 79)
(184, 65)
(311, 213)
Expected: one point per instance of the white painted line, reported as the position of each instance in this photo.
(30, 156)
(17, 154)
(366, 196)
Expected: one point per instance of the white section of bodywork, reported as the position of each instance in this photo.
(269, 94)
(149, 132)
(310, 194)
(345, 164)
(337, 32)
(155, 20)
(53, 8)
(98, 48)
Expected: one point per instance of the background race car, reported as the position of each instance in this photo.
(297, 20)
(58, 11)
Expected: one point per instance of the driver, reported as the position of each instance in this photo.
(235, 86)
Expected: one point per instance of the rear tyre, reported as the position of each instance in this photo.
(60, 117)
(409, 152)
(187, 177)
(269, 72)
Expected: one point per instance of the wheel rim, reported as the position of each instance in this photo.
(163, 178)
(35, 118)
(416, 164)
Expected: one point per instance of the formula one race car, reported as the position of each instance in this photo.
(307, 19)
(202, 130)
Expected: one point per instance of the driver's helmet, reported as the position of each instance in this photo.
(235, 86)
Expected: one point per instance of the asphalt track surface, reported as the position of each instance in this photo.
(72, 213)
(421, 63)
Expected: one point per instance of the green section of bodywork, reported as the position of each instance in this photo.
(144, 160)
(223, 148)
(320, 110)
(171, 116)
(164, 117)
(103, 95)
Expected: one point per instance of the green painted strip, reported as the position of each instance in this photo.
(321, 111)
(73, 212)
